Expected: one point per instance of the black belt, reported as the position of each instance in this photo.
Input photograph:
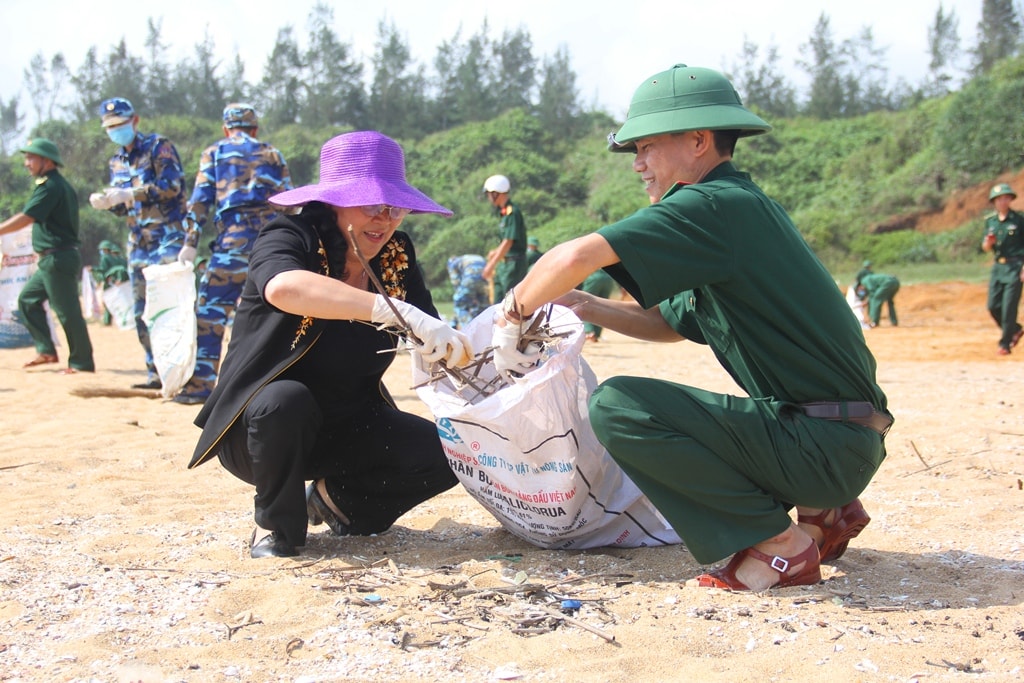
(47, 252)
(858, 412)
(1012, 259)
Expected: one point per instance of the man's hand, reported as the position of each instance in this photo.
(510, 362)
(439, 341)
(187, 254)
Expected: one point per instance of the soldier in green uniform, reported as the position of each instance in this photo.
(600, 284)
(878, 289)
(865, 269)
(714, 260)
(533, 252)
(506, 263)
(111, 270)
(1004, 236)
(52, 211)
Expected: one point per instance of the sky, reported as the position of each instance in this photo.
(612, 46)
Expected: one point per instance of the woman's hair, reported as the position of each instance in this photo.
(323, 219)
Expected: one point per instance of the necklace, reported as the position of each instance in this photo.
(359, 280)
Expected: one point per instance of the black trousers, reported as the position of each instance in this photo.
(378, 464)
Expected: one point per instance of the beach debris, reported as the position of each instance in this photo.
(241, 620)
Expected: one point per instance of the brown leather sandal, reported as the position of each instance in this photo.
(847, 523)
(725, 578)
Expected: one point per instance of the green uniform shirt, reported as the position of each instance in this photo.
(513, 227)
(1009, 247)
(876, 281)
(730, 269)
(54, 208)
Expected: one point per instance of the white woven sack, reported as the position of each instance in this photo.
(17, 264)
(170, 316)
(92, 304)
(121, 304)
(528, 454)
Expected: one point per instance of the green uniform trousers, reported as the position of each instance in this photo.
(884, 295)
(507, 275)
(56, 281)
(725, 470)
(1004, 294)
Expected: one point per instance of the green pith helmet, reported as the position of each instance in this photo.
(681, 99)
(108, 245)
(44, 148)
(1001, 189)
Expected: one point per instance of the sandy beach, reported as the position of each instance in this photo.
(119, 564)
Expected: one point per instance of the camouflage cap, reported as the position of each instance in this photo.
(240, 115)
(44, 148)
(115, 111)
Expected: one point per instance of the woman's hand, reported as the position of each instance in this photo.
(439, 342)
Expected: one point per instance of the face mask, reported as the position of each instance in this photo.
(122, 134)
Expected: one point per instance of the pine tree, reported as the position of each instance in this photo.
(999, 34)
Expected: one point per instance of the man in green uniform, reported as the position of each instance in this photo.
(878, 289)
(1004, 236)
(714, 260)
(52, 211)
(865, 269)
(533, 252)
(111, 270)
(506, 263)
(600, 284)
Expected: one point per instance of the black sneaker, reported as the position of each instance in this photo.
(151, 384)
(186, 400)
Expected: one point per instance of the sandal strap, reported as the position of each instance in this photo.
(725, 577)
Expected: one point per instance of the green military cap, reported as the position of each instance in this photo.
(681, 99)
(44, 148)
(533, 241)
(1001, 189)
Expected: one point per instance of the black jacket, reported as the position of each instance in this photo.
(266, 342)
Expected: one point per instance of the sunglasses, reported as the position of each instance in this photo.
(395, 213)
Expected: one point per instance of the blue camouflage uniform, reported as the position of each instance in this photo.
(471, 296)
(156, 222)
(237, 175)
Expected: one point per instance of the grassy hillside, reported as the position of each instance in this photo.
(905, 189)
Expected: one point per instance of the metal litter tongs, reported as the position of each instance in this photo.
(465, 379)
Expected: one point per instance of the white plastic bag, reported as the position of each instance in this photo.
(92, 304)
(170, 316)
(857, 306)
(121, 304)
(528, 454)
(17, 265)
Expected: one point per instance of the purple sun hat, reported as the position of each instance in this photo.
(362, 169)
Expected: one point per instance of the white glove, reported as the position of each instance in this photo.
(111, 197)
(187, 254)
(440, 342)
(510, 362)
(99, 201)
